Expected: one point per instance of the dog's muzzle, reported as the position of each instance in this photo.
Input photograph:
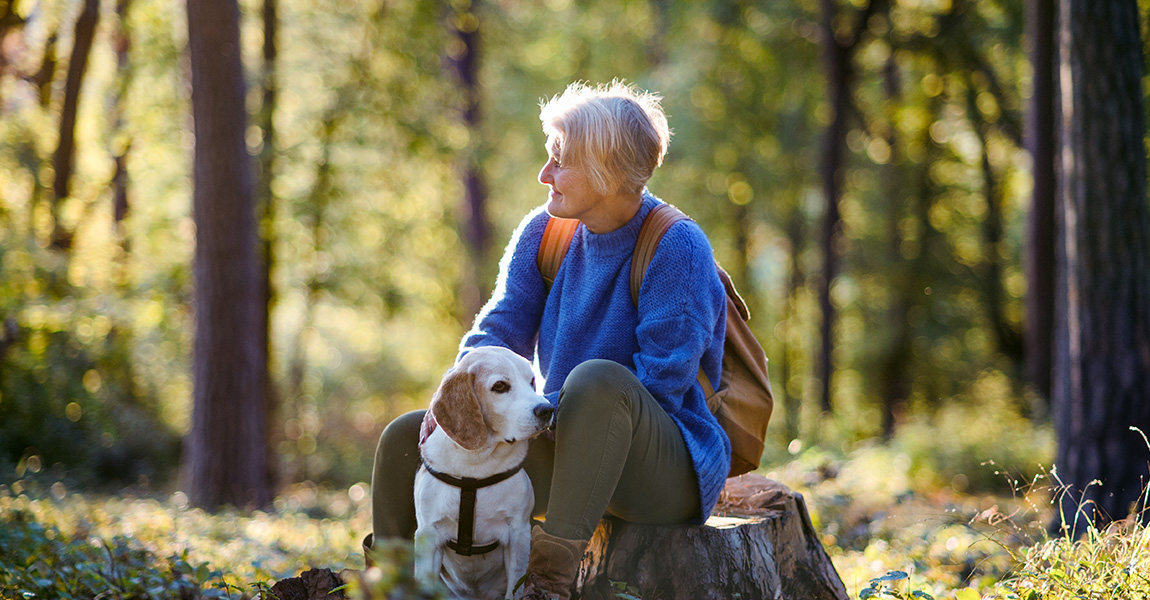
(546, 413)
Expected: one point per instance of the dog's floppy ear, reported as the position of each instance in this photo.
(456, 409)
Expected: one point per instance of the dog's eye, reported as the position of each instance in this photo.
(532, 383)
(501, 387)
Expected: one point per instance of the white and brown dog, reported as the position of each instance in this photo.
(473, 500)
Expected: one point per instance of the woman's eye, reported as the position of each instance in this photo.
(501, 387)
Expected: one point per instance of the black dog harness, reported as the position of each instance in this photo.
(465, 536)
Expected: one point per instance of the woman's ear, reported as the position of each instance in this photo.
(456, 409)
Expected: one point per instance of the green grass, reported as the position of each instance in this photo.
(55, 544)
(891, 532)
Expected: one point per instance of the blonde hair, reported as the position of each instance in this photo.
(615, 132)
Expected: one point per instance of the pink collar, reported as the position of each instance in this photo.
(427, 427)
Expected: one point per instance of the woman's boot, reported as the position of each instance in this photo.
(552, 566)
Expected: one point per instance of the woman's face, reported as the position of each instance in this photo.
(572, 194)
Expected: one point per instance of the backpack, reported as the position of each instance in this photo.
(743, 401)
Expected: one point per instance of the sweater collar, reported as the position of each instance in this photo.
(622, 240)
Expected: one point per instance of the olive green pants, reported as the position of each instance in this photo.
(615, 452)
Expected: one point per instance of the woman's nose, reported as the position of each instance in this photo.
(545, 174)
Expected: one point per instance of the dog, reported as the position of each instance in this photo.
(473, 500)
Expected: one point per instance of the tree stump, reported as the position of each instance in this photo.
(761, 545)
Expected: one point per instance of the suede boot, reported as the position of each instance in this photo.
(552, 566)
(367, 561)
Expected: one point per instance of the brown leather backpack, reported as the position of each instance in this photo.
(743, 401)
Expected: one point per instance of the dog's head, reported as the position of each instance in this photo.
(488, 398)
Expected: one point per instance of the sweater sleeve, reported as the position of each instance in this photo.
(681, 310)
(512, 314)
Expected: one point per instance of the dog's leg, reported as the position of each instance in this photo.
(428, 556)
(516, 549)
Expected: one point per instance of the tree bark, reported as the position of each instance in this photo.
(1040, 223)
(838, 52)
(65, 156)
(266, 219)
(1100, 387)
(463, 62)
(792, 403)
(894, 383)
(122, 144)
(227, 455)
(1009, 339)
(764, 547)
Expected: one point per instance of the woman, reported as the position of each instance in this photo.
(633, 435)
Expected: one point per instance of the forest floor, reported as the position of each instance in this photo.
(889, 536)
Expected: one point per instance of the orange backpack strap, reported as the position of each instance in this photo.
(657, 222)
(553, 247)
(655, 225)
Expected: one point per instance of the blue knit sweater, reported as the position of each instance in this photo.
(679, 324)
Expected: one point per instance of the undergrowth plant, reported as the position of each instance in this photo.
(39, 561)
(872, 515)
(888, 586)
(1109, 563)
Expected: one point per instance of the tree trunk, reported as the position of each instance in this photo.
(792, 403)
(65, 156)
(227, 455)
(764, 548)
(1100, 387)
(1009, 339)
(838, 61)
(122, 144)
(838, 52)
(894, 384)
(463, 60)
(265, 201)
(46, 73)
(1040, 223)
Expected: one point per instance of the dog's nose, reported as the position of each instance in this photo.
(544, 412)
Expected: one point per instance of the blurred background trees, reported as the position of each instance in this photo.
(396, 145)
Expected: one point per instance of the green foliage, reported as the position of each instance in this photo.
(39, 561)
(1113, 563)
(921, 543)
(891, 586)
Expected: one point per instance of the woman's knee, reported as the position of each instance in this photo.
(401, 436)
(594, 386)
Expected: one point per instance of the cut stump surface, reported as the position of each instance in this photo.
(760, 545)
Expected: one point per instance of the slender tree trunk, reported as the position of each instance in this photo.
(838, 54)
(1040, 222)
(1100, 387)
(121, 143)
(1008, 339)
(463, 61)
(226, 456)
(893, 384)
(266, 210)
(793, 403)
(65, 156)
(47, 72)
(838, 67)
